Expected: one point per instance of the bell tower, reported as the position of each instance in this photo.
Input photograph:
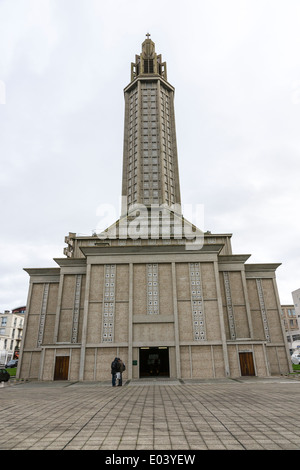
(150, 165)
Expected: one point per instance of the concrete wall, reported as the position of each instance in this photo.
(241, 313)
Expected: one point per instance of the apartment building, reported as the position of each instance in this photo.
(11, 328)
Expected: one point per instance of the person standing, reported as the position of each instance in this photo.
(120, 369)
(114, 365)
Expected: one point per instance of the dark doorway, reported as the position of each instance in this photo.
(246, 362)
(154, 362)
(61, 371)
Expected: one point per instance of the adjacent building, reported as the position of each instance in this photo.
(153, 289)
(11, 328)
(291, 326)
(293, 333)
(296, 300)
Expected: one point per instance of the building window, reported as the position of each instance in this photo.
(148, 65)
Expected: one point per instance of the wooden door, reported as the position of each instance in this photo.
(246, 363)
(61, 368)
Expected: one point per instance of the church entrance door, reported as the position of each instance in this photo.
(61, 371)
(246, 363)
(154, 362)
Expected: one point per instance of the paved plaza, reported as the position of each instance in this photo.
(241, 414)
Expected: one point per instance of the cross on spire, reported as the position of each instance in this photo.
(148, 35)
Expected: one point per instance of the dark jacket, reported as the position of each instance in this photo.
(114, 366)
(120, 366)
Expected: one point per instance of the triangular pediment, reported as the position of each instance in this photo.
(156, 223)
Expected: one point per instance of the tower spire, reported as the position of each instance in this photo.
(148, 62)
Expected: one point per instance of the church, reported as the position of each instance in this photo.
(154, 289)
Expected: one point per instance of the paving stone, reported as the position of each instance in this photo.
(171, 415)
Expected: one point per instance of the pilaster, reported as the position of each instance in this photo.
(85, 320)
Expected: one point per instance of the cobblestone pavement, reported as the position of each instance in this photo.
(161, 414)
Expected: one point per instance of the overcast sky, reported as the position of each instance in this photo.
(235, 66)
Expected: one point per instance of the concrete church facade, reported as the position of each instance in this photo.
(169, 304)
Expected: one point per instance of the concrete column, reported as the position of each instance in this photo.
(84, 324)
(282, 326)
(130, 325)
(41, 367)
(176, 326)
(28, 305)
(222, 326)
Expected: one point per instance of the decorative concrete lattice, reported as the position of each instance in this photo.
(132, 146)
(152, 289)
(166, 145)
(109, 303)
(263, 308)
(197, 302)
(43, 315)
(150, 143)
(229, 305)
(76, 308)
